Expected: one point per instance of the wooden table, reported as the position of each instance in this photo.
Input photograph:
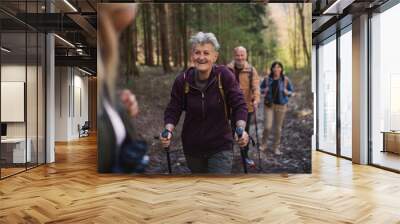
(391, 141)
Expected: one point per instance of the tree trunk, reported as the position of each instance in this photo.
(123, 69)
(150, 35)
(174, 34)
(145, 34)
(300, 9)
(135, 41)
(184, 36)
(219, 31)
(133, 50)
(157, 30)
(200, 14)
(128, 52)
(164, 38)
(179, 35)
(295, 56)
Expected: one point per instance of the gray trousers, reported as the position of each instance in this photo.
(219, 163)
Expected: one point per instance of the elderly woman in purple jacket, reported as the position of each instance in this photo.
(211, 97)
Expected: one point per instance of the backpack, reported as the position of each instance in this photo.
(251, 80)
(221, 91)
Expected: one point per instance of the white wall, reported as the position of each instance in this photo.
(16, 73)
(33, 127)
(80, 110)
(71, 94)
(50, 95)
(360, 90)
(61, 103)
(12, 73)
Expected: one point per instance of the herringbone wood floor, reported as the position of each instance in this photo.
(71, 191)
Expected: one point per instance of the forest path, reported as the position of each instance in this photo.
(152, 90)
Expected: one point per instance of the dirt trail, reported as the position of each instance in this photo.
(152, 91)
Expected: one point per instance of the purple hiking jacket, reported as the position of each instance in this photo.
(205, 129)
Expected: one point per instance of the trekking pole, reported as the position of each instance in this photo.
(164, 134)
(257, 141)
(239, 132)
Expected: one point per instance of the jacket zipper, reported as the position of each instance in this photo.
(202, 105)
(203, 96)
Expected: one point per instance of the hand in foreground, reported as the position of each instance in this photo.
(244, 140)
(165, 137)
(129, 101)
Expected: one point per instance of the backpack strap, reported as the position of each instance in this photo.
(185, 91)
(221, 91)
(285, 80)
(266, 85)
(251, 81)
(286, 83)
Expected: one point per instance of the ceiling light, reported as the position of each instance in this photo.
(84, 71)
(337, 7)
(5, 50)
(334, 5)
(65, 41)
(71, 6)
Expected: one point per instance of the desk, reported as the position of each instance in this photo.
(16, 147)
(391, 141)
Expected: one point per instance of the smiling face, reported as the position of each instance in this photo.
(240, 57)
(204, 56)
(277, 70)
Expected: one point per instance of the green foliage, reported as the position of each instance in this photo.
(248, 25)
(234, 25)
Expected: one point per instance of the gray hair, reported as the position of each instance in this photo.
(204, 38)
(240, 48)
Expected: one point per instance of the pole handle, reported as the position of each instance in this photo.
(239, 131)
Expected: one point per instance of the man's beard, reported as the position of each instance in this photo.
(238, 65)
